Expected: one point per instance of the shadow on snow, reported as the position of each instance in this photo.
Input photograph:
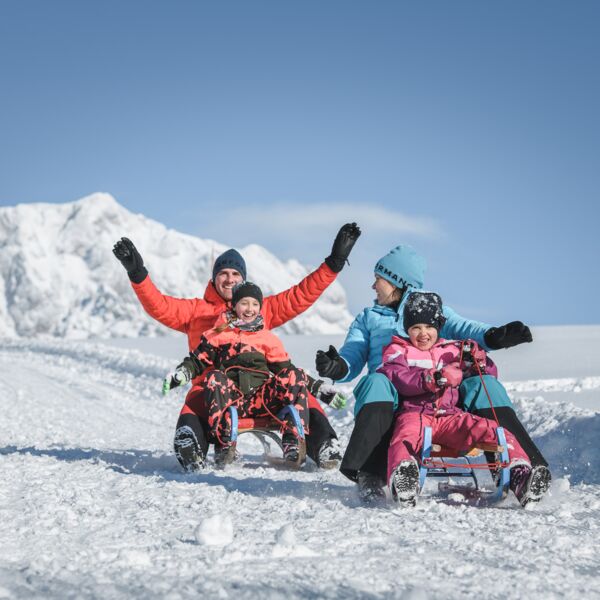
(166, 467)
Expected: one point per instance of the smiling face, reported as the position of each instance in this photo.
(247, 309)
(386, 292)
(423, 336)
(225, 280)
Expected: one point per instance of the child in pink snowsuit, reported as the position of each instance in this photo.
(427, 372)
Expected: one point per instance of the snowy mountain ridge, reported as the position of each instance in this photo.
(58, 276)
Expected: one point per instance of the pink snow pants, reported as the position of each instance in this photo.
(458, 431)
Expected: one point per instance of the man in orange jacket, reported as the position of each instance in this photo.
(194, 316)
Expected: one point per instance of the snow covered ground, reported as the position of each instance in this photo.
(93, 503)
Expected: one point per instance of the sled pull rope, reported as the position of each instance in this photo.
(487, 394)
(281, 422)
(485, 389)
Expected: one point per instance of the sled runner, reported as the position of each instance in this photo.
(439, 462)
(267, 428)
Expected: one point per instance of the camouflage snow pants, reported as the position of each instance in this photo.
(289, 386)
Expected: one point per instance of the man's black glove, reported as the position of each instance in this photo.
(331, 364)
(342, 245)
(131, 259)
(511, 334)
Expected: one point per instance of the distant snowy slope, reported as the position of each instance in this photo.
(58, 276)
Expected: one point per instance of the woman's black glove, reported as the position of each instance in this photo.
(507, 336)
(342, 245)
(331, 364)
(131, 259)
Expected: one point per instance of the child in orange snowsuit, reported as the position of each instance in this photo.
(245, 365)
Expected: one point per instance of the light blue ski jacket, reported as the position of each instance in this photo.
(373, 328)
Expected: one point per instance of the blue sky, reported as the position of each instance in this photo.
(467, 129)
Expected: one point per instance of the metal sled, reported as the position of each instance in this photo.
(437, 461)
(266, 429)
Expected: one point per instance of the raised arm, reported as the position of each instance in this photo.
(175, 313)
(281, 308)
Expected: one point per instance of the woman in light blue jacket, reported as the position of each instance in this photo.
(397, 274)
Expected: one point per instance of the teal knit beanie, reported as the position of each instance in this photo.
(402, 267)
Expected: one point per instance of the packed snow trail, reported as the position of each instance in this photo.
(93, 503)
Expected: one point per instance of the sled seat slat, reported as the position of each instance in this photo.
(437, 450)
(260, 423)
(266, 424)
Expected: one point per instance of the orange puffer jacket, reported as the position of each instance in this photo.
(194, 316)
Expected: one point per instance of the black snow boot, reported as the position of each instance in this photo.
(370, 488)
(291, 447)
(321, 433)
(529, 485)
(187, 450)
(191, 443)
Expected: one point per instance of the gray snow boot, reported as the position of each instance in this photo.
(404, 483)
(225, 455)
(330, 455)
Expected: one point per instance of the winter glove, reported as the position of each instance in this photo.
(329, 394)
(511, 334)
(437, 379)
(473, 355)
(342, 245)
(331, 364)
(430, 380)
(180, 376)
(131, 259)
(190, 367)
(451, 376)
